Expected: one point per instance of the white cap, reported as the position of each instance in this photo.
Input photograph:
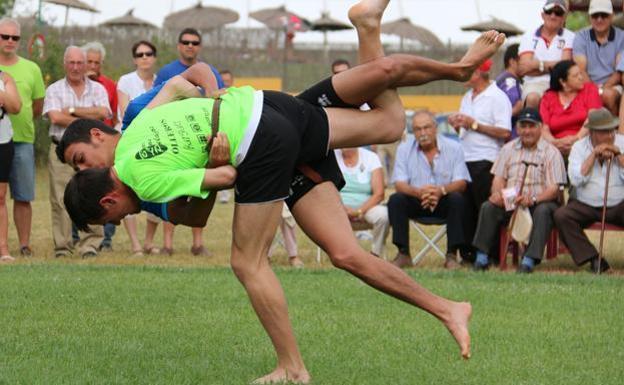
(600, 6)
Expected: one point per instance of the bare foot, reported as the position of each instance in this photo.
(484, 47)
(366, 14)
(282, 376)
(457, 325)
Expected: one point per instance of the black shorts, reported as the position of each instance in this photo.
(6, 159)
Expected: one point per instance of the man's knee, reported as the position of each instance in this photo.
(389, 67)
(397, 202)
(243, 266)
(561, 216)
(456, 199)
(344, 258)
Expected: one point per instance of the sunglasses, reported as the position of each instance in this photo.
(557, 11)
(190, 42)
(600, 15)
(12, 37)
(143, 54)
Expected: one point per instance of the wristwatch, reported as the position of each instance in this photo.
(541, 66)
(534, 200)
(443, 190)
(71, 110)
(474, 126)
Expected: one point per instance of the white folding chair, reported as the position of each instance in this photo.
(431, 243)
(355, 226)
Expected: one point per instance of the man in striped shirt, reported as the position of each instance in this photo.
(539, 194)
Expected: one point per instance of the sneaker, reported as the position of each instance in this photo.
(7, 258)
(402, 260)
(295, 262)
(480, 267)
(89, 254)
(604, 266)
(62, 253)
(106, 248)
(26, 251)
(524, 269)
(200, 251)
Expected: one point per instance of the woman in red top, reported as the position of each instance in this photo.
(564, 107)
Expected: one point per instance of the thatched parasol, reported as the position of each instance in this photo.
(500, 25)
(583, 5)
(76, 4)
(327, 24)
(406, 30)
(200, 17)
(281, 19)
(127, 20)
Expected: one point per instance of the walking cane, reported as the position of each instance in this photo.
(604, 214)
(512, 220)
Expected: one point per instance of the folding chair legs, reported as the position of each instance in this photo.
(431, 243)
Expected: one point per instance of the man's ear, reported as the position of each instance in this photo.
(96, 135)
(109, 200)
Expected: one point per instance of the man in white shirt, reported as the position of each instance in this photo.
(541, 49)
(587, 170)
(483, 124)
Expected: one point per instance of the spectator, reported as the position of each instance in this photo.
(541, 49)
(430, 176)
(363, 193)
(597, 51)
(288, 227)
(62, 106)
(31, 91)
(189, 47)
(483, 123)
(228, 78)
(10, 103)
(566, 104)
(587, 170)
(509, 82)
(96, 53)
(539, 194)
(129, 87)
(340, 65)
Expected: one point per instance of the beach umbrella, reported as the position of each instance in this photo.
(500, 25)
(281, 19)
(200, 17)
(583, 5)
(327, 24)
(406, 30)
(127, 20)
(76, 4)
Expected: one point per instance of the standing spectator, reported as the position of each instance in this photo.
(539, 192)
(597, 51)
(31, 91)
(363, 193)
(228, 78)
(129, 87)
(587, 170)
(509, 82)
(430, 176)
(340, 65)
(95, 53)
(10, 103)
(541, 49)
(483, 123)
(189, 47)
(75, 96)
(565, 105)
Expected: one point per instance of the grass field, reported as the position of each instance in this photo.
(186, 320)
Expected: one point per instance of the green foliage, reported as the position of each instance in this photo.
(577, 20)
(69, 324)
(6, 7)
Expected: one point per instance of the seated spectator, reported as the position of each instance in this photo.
(430, 177)
(539, 194)
(509, 82)
(566, 104)
(541, 49)
(11, 104)
(587, 170)
(597, 51)
(364, 192)
(288, 227)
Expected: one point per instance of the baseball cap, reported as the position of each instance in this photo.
(600, 6)
(601, 119)
(529, 114)
(550, 4)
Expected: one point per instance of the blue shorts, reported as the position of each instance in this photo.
(22, 178)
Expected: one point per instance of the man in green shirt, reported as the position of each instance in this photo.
(279, 146)
(31, 89)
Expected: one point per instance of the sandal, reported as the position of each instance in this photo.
(6, 258)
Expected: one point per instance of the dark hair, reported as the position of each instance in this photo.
(338, 62)
(189, 31)
(560, 73)
(79, 131)
(226, 72)
(83, 194)
(143, 42)
(511, 53)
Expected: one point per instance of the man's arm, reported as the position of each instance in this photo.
(496, 196)
(37, 106)
(97, 112)
(9, 98)
(185, 85)
(489, 130)
(191, 212)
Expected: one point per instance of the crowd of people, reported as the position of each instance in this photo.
(536, 112)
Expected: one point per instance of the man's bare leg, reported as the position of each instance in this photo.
(319, 215)
(253, 230)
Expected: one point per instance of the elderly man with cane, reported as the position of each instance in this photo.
(596, 170)
(527, 172)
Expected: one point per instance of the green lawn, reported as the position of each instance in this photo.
(91, 324)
